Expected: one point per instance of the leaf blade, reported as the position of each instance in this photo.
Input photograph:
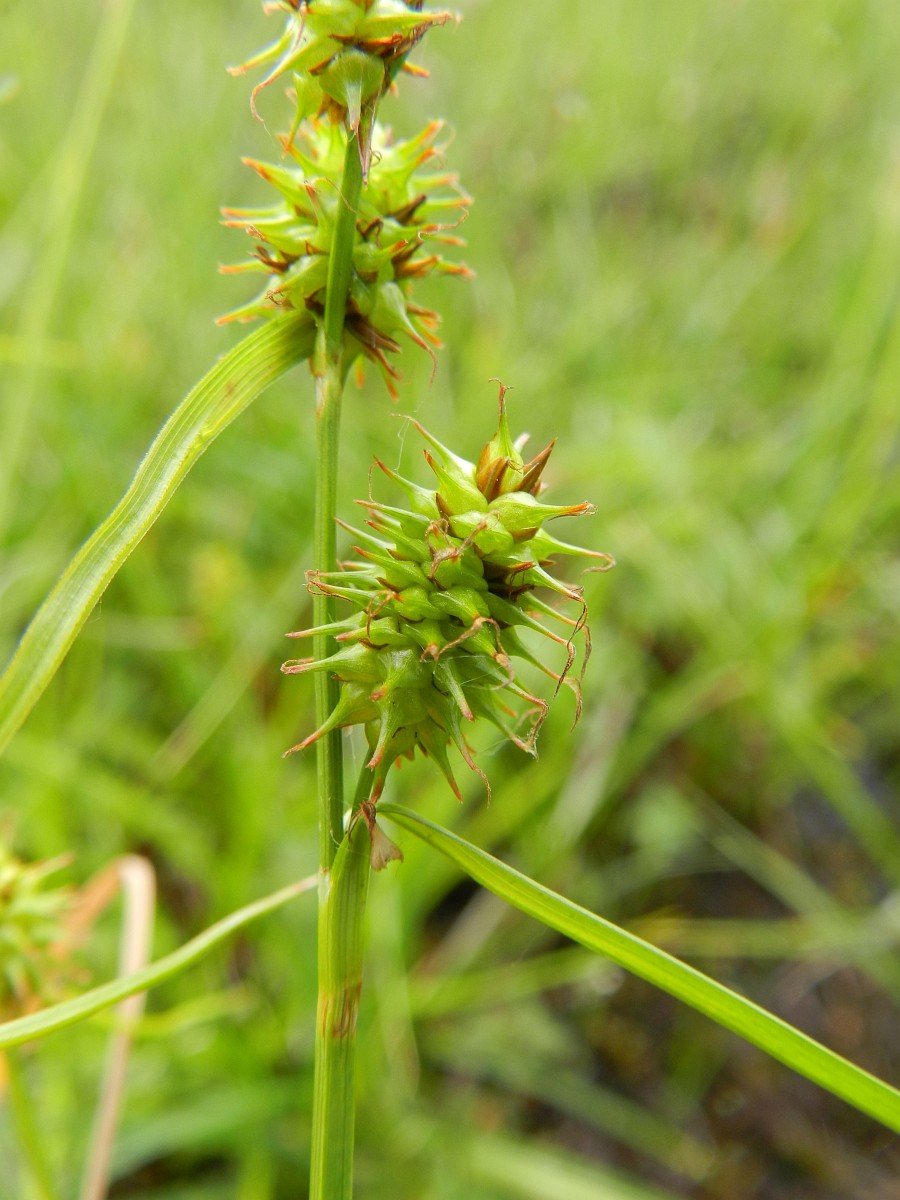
(770, 1033)
(224, 392)
(49, 1020)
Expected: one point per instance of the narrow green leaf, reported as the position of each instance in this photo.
(232, 384)
(49, 1020)
(797, 1051)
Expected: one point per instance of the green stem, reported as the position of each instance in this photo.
(330, 371)
(28, 1133)
(343, 862)
(329, 766)
(340, 980)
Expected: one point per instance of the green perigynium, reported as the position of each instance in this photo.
(342, 54)
(442, 591)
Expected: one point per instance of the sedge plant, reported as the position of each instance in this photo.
(453, 596)
(41, 930)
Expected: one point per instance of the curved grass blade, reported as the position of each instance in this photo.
(233, 383)
(791, 1047)
(49, 1020)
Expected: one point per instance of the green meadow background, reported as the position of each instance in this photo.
(686, 234)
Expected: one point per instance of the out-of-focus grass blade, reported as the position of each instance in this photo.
(59, 196)
(25, 1029)
(799, 1052)
(531, 1171)
(232, 384)
(9, 86)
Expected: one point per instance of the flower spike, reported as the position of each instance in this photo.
(401, 233)
(439, 593)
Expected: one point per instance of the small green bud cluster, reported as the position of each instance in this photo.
(32, 930)
(341, 56)
(441, 592)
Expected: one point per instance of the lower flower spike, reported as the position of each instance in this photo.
(438, 595)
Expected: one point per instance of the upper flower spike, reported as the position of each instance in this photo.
(341, 56)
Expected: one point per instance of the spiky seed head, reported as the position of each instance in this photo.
(439, 594)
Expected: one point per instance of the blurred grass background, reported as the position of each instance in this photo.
(686, 234)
